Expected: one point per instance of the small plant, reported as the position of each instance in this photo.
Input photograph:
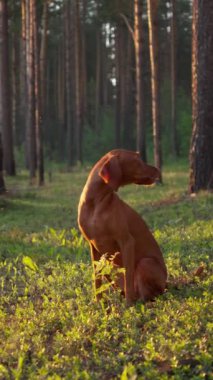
(107, 272)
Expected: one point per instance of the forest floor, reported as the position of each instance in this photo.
(50, 325)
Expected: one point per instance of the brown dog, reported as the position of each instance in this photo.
(111, 226)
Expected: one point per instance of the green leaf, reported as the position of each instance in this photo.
(104, 287)
(29, 263)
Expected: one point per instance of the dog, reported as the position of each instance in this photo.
(112, 227)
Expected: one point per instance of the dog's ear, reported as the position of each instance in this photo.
(111, 172)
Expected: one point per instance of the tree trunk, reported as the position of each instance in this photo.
(43, 58)
(140, 126)
(67, 14)
(23, 83)
(6, 94)
(78, 87)
(201, 152)
(37, 95)
(15, 87)
(174, 140)
(82, 27)
(152, 8)
(61, 85)
(2, 184)
(30, 111)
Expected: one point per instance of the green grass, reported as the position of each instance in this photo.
(50, 325)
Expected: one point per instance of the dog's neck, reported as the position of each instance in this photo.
(95, 189)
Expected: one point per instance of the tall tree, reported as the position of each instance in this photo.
(152, 7)
(201, 152)
(174, 140)
(140, 125)
(5, 88)
(15, 79)
(30, 84)
(68, 23)
(78, 82)
(83, 62)
(23, 61)
(37, 96)
(43, 57)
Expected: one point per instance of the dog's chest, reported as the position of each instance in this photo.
(95, 226)
(91, 222)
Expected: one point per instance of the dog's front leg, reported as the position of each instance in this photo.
(128, 257)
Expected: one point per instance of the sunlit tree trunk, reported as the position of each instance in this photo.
(140, 125)
(201, 152)
(152, 7)
(6, 93)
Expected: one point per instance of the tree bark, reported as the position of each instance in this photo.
(78, 86)
(15, 87)
(6, 94)
(67, 14)
(43, 58)
(201, 152)
(174, 139)
(61, 85)
(30, 112)
(82, 27)
(140, 125)
(38, 106)
(152, 7)
(23, 83)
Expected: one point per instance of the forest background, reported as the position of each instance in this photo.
(78, 81)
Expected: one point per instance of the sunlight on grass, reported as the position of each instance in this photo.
(50, 325)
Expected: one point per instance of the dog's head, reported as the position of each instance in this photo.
(122, 167)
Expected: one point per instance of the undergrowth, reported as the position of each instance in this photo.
(50, 325)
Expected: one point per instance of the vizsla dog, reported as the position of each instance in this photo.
(113, 228)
